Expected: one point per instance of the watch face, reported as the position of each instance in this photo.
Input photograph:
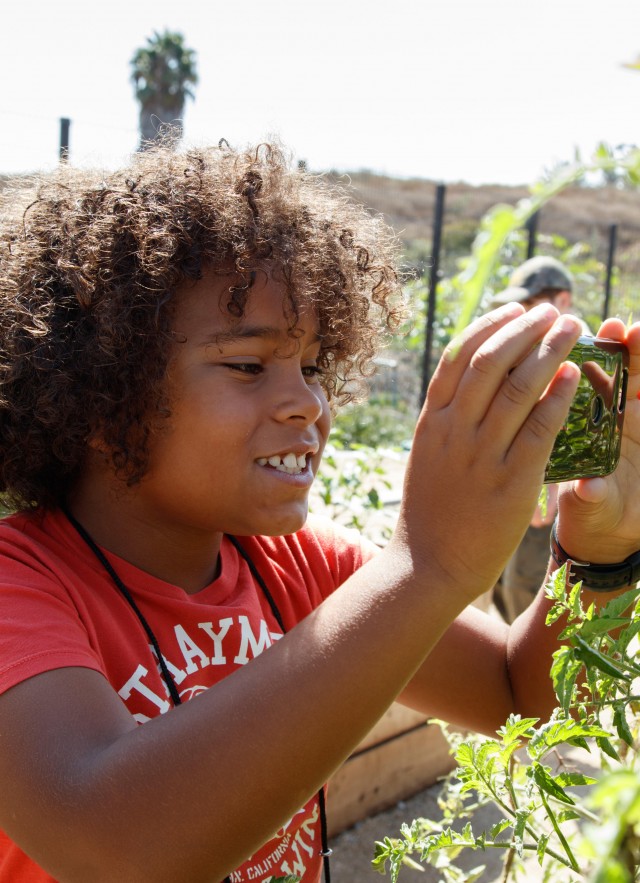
(588, 444)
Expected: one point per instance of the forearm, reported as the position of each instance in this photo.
(532, 643)
(192, 793)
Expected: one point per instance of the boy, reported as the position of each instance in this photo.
(170, 338)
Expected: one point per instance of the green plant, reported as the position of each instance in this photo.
(349, 489)
(551, 813)
(379, 422)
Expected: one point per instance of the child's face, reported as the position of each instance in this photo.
(249, 419)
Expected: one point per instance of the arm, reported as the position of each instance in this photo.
(497, 670)
(192, 793)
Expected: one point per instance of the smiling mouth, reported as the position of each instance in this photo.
(290, 463)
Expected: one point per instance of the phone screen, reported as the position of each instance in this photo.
(589, 443)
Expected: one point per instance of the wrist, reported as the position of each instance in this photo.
(600, 577)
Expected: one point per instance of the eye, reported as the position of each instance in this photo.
(310, 372)
(251, 368)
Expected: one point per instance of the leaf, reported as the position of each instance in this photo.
(604, 744)
(554, 613)
(546, 782)
(557, 732)
(597, 660)
(568, 780)
(602, 626)
(564, 673)
(374, 498)
(574, 600)
(518, 831)
(516, 728)
(541, 848)
(568, 815)
(498, 828)
(555, 588)
(617, 606)
(628, 634)
(621, 724)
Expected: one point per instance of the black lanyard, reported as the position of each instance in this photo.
(164, 669)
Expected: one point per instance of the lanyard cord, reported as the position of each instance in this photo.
(166, 674)
(325, 851)
(97, 551)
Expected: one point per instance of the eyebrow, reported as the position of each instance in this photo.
(249, 332)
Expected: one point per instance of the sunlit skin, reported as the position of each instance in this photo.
(241, 393)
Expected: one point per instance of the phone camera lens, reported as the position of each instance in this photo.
(597, 410)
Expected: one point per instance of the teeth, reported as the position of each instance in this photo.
(289, 463)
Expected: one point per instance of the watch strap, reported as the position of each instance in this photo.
(597, 577)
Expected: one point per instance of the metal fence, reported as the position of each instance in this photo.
(606, 253)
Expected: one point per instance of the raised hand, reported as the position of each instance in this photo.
(495, 404)
(599, 518)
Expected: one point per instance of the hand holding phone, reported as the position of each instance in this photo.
(588, 445)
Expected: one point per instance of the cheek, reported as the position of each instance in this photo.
(324, 421)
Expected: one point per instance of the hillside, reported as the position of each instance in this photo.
(577, 213)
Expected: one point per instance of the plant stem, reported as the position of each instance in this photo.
(561, 837)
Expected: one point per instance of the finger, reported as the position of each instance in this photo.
(497, 356)
(535, 436)
(632, 340)
(524, 358)
(458, 352)
(613, 329)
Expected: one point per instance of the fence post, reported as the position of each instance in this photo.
(438, 220)
(65, 125)
(613, 239)
(532, 230)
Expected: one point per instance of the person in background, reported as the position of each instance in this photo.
(540, 279)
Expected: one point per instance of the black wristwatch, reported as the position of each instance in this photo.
(598, 577)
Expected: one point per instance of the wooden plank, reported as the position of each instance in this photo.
(397, 719)
(377, 777)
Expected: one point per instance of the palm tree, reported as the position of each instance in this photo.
(163, 73)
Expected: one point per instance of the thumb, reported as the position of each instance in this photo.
(591, 490)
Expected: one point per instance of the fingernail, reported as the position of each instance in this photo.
(567, 323)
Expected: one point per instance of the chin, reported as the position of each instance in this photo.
(283, 526)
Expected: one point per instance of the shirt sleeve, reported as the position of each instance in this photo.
(40, 627)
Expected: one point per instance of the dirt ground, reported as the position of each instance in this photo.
(353, 849)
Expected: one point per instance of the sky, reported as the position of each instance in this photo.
(482, 91)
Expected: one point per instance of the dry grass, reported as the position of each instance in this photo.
(577, 213)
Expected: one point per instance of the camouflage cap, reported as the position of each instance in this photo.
(535, 275)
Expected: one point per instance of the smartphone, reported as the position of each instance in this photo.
(588, 444)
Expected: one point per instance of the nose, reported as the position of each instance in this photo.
(297, 400)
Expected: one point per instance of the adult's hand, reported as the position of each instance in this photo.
(599, 518)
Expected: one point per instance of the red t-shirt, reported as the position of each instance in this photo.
(59, 608)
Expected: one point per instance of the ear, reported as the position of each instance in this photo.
(97, 444)
(563, 301)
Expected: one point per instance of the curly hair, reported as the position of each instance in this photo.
(89, 267)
